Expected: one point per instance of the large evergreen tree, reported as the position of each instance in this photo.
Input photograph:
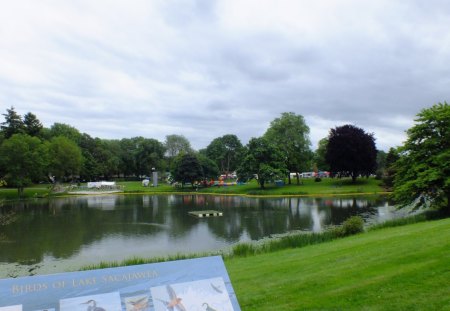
(351, 152)
(13, 123)
(423, 170)
(31, 124)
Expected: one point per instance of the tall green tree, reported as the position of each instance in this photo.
(226, 152)
(176, 144)
(149, 155)
(23, 160)
(13, 123)
(263, 158)
(32, 125)
(320, 155)
(209, 167)
(389, 173)
(65, 158)
(291, 135)
(381, 164)
(186, 168)
(351, 152)
(68, 131)
(423, 170)
(127, 154)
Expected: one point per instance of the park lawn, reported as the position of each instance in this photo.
(327, 187)
(401, 268)
(308, 186)
(29, 192)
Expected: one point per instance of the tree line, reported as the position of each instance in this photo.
(31, 153)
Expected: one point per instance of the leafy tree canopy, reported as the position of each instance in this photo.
(264, 159)
(351, 152)
(423, 170)
(65, 158)
(320, 155)
(175, 144)
(226, 152)
(291, 135)
(186, 168)
(23, 160)
(61, 129)
(389, 172)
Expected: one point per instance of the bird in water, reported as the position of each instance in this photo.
(92, 306)
(208, 308)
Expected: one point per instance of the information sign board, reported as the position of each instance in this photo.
(182, 285)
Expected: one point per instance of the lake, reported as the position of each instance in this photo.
(61, 234)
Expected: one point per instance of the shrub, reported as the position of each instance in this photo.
(353, 225)
(318, 179)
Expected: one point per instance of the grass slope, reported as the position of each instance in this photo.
(401, 268)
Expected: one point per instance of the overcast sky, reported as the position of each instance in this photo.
(203, 69)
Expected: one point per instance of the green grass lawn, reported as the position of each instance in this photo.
(308, 186)
(327, 186)
(401, 268)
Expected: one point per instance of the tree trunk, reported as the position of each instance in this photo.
(261, 183)
(20, 192)
(298, 178)
(289, 177)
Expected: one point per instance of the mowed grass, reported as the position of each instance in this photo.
(401, 268)
(328, 186)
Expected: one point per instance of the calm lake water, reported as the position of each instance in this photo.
(65, 233)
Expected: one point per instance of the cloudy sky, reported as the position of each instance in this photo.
(117, 68)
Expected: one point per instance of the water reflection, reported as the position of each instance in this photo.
(94, 228)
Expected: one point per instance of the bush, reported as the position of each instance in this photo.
(352, 225)
(317, 179)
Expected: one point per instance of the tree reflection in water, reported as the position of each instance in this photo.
(115, 227)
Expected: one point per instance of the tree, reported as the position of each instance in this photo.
(175, 144)
(13, 123)
(32, 125)
(149, 155)
(381, 164)
(226, 152)
(209, 167)
(61, 129)
(351, 152)
(186, 168)
(23, 159)
(65, 158)
(264, 159)
(320, 155)
(389, 173)
(291, 135)
(423, 170)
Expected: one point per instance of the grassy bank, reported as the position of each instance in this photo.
(327, 187)
(401, 265)
(400, 268)
(307, 186)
